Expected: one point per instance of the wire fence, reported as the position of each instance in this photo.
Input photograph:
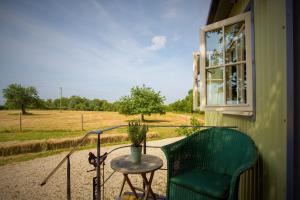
(14, 121)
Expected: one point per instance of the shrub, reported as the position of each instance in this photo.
(185, 131)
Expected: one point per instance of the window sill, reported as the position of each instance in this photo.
(238, 110)
(240, 113)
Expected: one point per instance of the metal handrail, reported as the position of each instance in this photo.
(98, 133)
(65, 158)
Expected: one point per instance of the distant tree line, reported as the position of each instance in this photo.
(20, 97)
(77, 103)
(71, 103)
(143, 100)
(183, 105)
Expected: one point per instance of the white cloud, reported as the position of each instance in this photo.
(158, 42)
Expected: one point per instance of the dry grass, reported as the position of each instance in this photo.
(49, 120)
(8, 149)
(49, 132)
(45, 130)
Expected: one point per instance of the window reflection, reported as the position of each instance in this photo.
(235, 43)
(236, 84)
(214, 86)
(214, 47)
(234, 66)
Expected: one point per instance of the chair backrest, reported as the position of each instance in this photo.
(223, 150)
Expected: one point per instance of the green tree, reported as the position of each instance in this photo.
(96, 104)
(49, 104)
(20, 97)
(77, 103)
(64, 103)
(183, 105)
(142, 100)
(107, 106)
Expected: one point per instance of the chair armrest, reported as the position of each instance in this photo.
(179, 156)
(174, 147)
(234, 184)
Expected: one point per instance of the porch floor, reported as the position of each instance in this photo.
(22, 180)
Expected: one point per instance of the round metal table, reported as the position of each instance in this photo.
(149, 164)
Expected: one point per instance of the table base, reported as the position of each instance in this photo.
(141, 195)
(147, 186)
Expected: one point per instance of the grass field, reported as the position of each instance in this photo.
(45, 124)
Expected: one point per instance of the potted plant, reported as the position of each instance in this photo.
(136, 134)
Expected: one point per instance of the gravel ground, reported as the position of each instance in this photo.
(22, 180)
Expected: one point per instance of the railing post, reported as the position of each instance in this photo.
(98, 169)
(68, 178)
(144, 143)
(103, 180)
(145, 140)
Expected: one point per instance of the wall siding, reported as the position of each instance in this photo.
(268, 130)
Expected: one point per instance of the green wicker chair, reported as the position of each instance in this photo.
(208, 164)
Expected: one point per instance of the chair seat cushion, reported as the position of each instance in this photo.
(204, 182)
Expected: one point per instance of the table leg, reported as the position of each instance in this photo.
(148, 185)
(122, 187)
(130, 185)
(146, 192)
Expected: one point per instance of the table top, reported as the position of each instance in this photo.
(125, 165)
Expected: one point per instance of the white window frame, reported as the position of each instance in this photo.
(235, 109)
(196, 73)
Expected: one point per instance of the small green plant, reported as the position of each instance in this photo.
(137, 133)
(195, 122)
(185, 131)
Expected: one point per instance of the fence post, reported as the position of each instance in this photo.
(68, 178)
(20, 119)
(98, 169)
(82, 122)
(144, 146)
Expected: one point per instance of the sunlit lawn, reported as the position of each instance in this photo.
(44, 124)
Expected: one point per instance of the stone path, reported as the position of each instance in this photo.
(22, 180)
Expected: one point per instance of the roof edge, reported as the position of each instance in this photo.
(212, 10)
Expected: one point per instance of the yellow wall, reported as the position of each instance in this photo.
(268, 130)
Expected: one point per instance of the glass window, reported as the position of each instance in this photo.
(225, 65)
(235, 75)
(214, 47)
(235, 43)
(236, 84)
(214, 84)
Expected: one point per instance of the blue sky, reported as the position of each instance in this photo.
(100, 49)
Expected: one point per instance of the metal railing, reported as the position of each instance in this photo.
(98, 163)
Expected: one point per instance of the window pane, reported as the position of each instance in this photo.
(214, 86)
(214, 47)
(236, 84)
(235, 43)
